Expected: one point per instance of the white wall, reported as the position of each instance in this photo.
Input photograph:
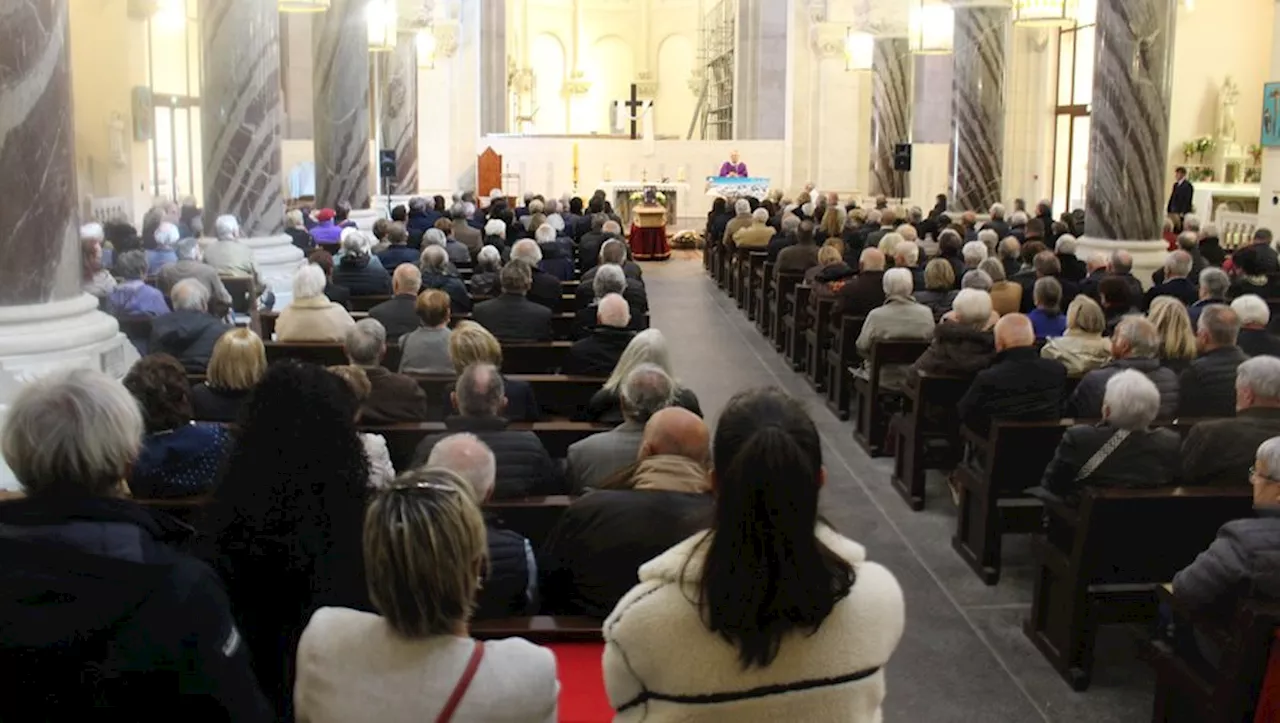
(1217, 39)
(1029, 105)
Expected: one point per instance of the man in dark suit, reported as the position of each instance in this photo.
(399, 314)
(1207, 388)
(1177, 266)
(189, 332)
(1188, 241)
(597, 354)
(610, 279)
(1020, 385)
(614, 251)
(512, 317)
(865, 291)
(392, 397)
(544, 288)
(1219, 452)
(589, 245)
(1183, 191)
(1121, 265)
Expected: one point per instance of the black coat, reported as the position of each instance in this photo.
(1256, 259)
(189, 336)
(957, 350)
(1211, 250)
(592, 556)
(1073, 269)
(217, 405)
(546, 290)
(597, 354)
(860, 295)
(398, 315)
(524, 466)
(1086, 400)
(1180, 288)
(1219, 452)
(511, 581)
(606, 408)
(360, 278)
(1241, 561)
(99, 610)
(338, 295)
(1207, 388)
(635, 294)
(1148, 458)
(459, 297)
(589, 249)
(1019, 386)
(512, 317)
(1180, 199)
(1258, 342)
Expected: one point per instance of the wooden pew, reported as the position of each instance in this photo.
(782, 302)
(816, 340)
(558, 395)
(322, 352)
(764, 298)
(531, 517)
(561, 324)
(794, 322)
(135, 327)
(993, 478)
(403, 439)
(870, 398)
(754, 280)
(842, 353)
(187, 509)
(540, 629)
(740, 273)
(1102, 562)
(927, 431)
(1186, 692)
(540, 357)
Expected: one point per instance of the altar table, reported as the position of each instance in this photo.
(619, 194)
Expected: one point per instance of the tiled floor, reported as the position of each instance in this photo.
(964, 657)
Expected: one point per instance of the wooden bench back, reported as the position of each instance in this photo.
(1129, 536)
(1018, 452)
(540, 629)
(532, 517)
(558, 395)
(403, 439)
(322, 352)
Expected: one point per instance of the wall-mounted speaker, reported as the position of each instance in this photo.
(902, 157)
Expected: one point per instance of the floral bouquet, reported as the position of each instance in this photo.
(650, 196)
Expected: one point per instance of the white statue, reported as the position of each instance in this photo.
(1230, 96)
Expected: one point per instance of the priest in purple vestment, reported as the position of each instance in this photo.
(733, 167)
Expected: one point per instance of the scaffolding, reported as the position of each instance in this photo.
(716, 63)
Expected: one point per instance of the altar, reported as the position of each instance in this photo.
(619, 194)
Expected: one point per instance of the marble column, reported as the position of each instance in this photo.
(340, 49)
(1129, 130)
(398, 78)
(493, 65)
(241, 107)
(890, 113)
(761, 86)
(46, 321)
(977, 118)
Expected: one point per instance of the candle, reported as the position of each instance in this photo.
(575, 166)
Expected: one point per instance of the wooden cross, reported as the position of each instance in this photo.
(633, 106)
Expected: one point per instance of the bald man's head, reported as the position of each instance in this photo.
(871, 259)
(407, 279)
(1013, 331)
(676, 431)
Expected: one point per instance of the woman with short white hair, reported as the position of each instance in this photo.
(162, 251)
(1122, 450)
(963, 343)
(1254, 315)
(648, 347)
(311, 316)
(484, 280)
(127, 595)
(901, 318)
(357, 269)
(973, 253)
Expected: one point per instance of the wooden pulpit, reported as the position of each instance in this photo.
(488, 171)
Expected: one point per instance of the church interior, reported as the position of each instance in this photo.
(718, 323)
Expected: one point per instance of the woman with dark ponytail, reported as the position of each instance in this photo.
(770, 615)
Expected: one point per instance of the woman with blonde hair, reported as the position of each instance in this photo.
(1082, 348)
(939, 291)
(831, 273)
(648, 347)
(239, 360)
(832, 225)
(470, 343)
(425, 550)
(1177, 338)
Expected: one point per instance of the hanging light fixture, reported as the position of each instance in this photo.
(425, 40)
(859, 49)
(304, 6)
(932, 27)
(380, 16)
(1045, 13)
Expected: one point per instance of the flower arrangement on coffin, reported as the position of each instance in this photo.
(650, 196)
(688, 240)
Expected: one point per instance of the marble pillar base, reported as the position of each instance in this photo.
(277, 259)
(1147, 255)
(37, 339)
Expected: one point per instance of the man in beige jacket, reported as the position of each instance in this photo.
(756, 236)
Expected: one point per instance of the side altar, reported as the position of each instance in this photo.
(619, 194)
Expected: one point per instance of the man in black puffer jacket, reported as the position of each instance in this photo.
(510, 586)
(1135, 344)
(524, 466)
(1208, 386)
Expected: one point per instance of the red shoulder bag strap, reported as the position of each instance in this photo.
(459, 690)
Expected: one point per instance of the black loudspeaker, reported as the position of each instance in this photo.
(387, 163)
(902, 157)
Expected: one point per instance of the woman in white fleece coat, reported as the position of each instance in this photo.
(771, 615)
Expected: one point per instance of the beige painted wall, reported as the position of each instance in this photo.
(1217, 39)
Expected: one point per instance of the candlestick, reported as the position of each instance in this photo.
(575, 166)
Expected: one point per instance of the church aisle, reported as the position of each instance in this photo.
(963, 657)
